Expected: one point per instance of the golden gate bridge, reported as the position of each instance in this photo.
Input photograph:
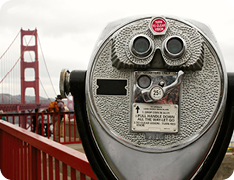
(20, 74)
(25, 153)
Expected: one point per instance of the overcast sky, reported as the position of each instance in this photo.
(69, 29)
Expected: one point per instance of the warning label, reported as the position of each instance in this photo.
(154, 117)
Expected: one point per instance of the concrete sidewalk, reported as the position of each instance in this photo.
(77, 147)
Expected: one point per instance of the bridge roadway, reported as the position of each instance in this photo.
(21, 107)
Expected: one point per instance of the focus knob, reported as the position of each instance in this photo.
(64, 83)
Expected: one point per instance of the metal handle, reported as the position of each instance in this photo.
(176, 83)
(157, 92)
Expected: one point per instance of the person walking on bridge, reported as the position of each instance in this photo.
(3, 117)
(57, 106)
(35, 120)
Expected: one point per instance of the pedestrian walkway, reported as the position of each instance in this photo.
(77, 147)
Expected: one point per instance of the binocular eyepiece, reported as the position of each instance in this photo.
(152, 102)
(142, 46)
(157, 44)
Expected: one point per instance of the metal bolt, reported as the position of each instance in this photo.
(161, 83)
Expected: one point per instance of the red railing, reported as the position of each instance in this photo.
(60, 127)
(28, 156)
(21, 107)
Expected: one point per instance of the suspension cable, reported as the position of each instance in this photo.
(16, 61)
(10, 45)
(46, 64)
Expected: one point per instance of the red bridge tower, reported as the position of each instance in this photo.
(24, 65)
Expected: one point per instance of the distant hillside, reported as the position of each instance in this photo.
(16, 99)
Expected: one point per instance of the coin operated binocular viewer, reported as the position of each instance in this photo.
(155, 103)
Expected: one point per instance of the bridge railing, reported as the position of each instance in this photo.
(28, 156)
(60, 127)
